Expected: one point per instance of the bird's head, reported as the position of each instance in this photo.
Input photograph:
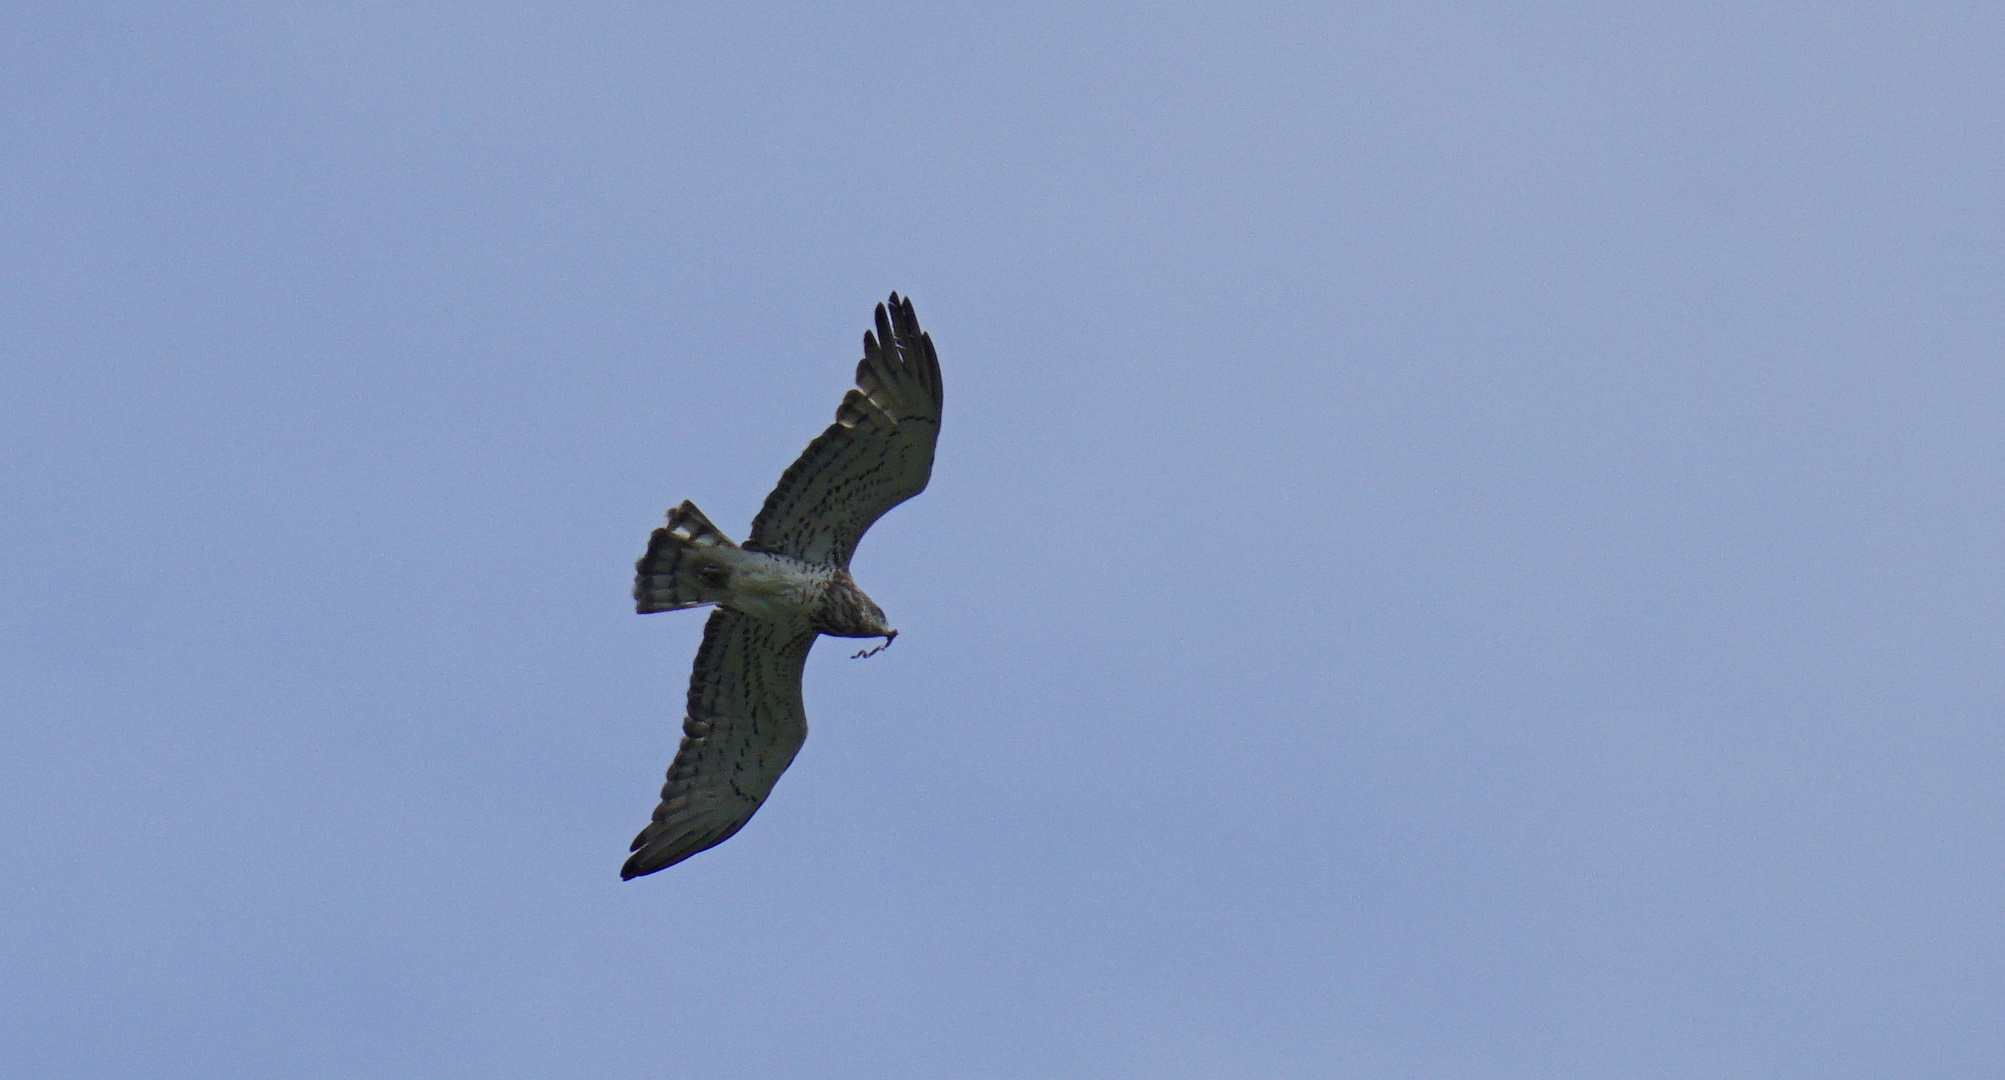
(870, 620)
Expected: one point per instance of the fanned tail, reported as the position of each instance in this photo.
(683, 567)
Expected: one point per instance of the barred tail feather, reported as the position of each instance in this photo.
(682, 567)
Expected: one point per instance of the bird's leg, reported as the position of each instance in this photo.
(888, 639)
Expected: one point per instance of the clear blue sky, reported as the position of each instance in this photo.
(1467, 540)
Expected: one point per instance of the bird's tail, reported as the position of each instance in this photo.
(685, 565)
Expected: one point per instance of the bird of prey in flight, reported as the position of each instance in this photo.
(786, 584)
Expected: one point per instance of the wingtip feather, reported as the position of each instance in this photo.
(884, 334)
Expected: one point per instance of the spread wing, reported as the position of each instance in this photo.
(877, 454)
(744, 726)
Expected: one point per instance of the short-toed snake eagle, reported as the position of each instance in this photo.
(788, 583)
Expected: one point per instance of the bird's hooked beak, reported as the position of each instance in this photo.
(889, 637)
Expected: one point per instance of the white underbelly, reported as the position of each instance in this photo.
(767, 588)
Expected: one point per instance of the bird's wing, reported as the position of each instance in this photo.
(877, 454)
(744, 726)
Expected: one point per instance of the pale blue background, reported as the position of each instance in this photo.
(1467, 540)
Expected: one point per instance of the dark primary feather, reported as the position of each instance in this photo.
(877, 454)
(744, 725)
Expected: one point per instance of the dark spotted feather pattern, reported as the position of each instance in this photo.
(744, 725)
(877, 454)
